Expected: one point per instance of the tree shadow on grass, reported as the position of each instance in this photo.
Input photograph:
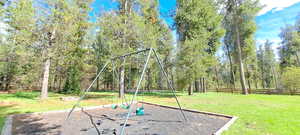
(8, 110)
(95, 96)
(21, 95)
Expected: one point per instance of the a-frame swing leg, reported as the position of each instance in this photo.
(169, 82)
(136, 92)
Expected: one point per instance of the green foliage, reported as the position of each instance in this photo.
(291, 79)
(290, 49)
(16, 42)
(21, 20)
(245, 12)
(123, 31)
(61, 30)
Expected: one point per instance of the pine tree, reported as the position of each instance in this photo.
(19, 36)
(198, 26)
(76, 48)
(239, 23)
(266, 62)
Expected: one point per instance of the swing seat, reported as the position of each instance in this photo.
(125, 106)
(114, 106)
(140, 111)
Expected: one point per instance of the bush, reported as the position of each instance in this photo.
(291, 79)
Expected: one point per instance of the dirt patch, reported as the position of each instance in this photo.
(7, 103)
(156, 121)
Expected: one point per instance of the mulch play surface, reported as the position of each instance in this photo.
(156, 121)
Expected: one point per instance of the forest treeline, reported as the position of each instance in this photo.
(60, 46)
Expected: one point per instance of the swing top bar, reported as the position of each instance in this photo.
(132, 53)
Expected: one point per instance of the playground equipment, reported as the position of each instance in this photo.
(140, 111)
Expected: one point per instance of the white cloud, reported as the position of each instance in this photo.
(276, 4)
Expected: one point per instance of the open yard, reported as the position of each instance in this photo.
(258, 114)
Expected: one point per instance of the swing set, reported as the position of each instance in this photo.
(129, 106)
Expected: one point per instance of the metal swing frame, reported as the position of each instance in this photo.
(150, 51)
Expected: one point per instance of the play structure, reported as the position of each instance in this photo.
(133, 105)
(123, 116)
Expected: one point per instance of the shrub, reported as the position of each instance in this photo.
(291, 79)
(72, 84)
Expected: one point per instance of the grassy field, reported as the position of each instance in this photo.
(258, 114)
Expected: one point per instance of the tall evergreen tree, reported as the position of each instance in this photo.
(239, 23)
(267, 62)
(76, 48)
(198, 26)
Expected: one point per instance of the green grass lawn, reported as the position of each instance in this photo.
(258, 114)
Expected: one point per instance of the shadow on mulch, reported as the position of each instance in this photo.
(29, 124)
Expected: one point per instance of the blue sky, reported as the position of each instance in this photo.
(269, 24)
(106, 5)
(275, 14)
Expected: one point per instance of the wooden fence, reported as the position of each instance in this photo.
(257, 91)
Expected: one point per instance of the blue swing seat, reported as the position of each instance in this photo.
(140, 111)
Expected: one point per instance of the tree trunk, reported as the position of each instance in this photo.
(204, 85)
(7, 83)
(111, 86)
(197, 83)
(55, 82)
(1, 82)
(248, 79)
(240, 60)
(298, 59)
(249, 85)
(232, 79)
(262, 79)
(149, 80)
(172, 80)
(217, 79)
(122, 80)
(256, 85)
(59, 84)
(97, 84)
(190, 89)
(275, 77)
(44, 93)
(160, 80)
(201, 84)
